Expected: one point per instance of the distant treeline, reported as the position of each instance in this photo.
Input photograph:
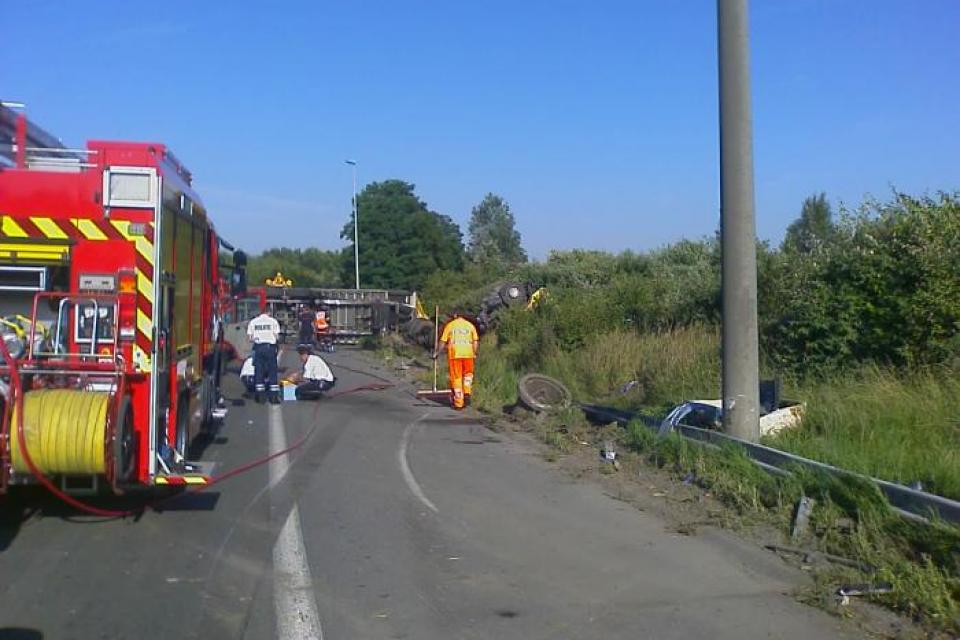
(402, 244)
(879, 284)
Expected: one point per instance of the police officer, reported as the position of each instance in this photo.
(264, 332)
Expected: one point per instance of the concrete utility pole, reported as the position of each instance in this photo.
(356, 225)
(741, 379)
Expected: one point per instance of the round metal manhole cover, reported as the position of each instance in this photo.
(543, 393)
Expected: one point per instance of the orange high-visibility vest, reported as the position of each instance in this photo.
(460, 334)
(321, 322)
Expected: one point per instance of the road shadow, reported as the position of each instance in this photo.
(22, 504)
(19, 633)
(14, 512)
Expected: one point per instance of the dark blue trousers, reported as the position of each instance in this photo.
(265, 368)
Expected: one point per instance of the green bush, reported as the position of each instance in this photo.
(884, 289)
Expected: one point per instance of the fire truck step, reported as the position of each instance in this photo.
(187, 479)
(197, 472)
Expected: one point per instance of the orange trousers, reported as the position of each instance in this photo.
(461, 379)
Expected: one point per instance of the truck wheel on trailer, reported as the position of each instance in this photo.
(513, 294)
(124, 445)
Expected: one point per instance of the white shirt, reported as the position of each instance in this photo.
(247, 368)
(263, 330)
(316, 369)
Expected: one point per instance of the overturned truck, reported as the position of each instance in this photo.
(500, 296)
(352, 314)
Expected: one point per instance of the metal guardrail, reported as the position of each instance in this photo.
(909, 502)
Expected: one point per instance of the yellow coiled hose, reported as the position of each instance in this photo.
(64, 430)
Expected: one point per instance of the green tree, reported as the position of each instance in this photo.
(402, 242)
(885, 290)
(813, 229)
(310, 267)
(494, 239)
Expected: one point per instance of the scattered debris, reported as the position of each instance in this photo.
(608, 451)
(810, 557)
(862, 589)
(627, 387)
(542, 393)
(708, 414)
(845, 525)
(801, 521)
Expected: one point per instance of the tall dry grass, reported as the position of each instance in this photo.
(899, 427)
(667, 366)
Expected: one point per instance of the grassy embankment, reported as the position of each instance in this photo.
(901, 428)
(896, 427)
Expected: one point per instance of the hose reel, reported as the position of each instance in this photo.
(64, 431)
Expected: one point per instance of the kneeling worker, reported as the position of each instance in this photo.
(247, 374)
(315, 378)
(461, 341)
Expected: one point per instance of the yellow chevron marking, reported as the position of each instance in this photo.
(144, 324)
(123, 226)
(11, 229)
(195, 479)
(160, 480)
(89, 229)
(49, 228)
(144, 246)
(144, 287)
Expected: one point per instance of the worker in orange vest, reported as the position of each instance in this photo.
(322, 329)
(461, 342)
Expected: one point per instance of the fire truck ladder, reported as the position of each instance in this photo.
(24, 144)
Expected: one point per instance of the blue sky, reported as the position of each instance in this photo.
(597, 121)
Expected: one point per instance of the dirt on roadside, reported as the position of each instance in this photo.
(681, 504)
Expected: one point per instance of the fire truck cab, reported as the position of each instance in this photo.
(111, 262)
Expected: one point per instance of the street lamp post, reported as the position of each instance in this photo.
(741, 397)
(356, 225)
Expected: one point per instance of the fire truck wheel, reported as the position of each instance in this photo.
(209, 400)
(124, 444)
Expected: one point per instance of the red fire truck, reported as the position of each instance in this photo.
(111, 263)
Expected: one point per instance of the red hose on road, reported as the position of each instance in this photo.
(15, 384)
(296, 445)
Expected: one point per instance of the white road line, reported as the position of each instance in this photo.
(411, 481)
(293, 598)
(277, 439)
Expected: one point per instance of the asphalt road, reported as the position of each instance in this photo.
(394, 520)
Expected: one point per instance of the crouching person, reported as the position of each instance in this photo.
(315, 378)
(247, 374)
